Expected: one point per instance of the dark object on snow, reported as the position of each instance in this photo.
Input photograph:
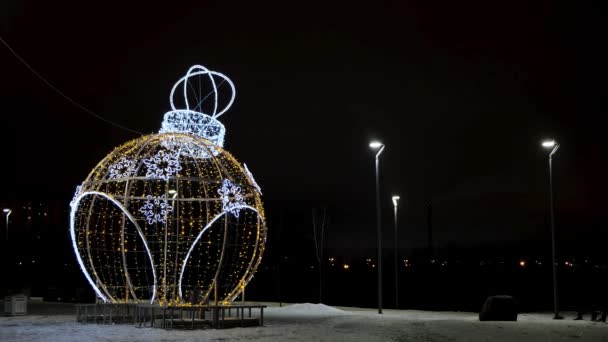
(499, 308)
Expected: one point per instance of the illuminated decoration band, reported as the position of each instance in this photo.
(171, 218)
(195, 120)
(255, 184)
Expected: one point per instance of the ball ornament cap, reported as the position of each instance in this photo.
(194, 117)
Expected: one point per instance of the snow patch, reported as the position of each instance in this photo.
(309, 308)
(318, 322)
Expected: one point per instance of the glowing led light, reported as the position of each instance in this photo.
(232, 199)
(188, 149)
(548, 143)
(156, 209)
(187, 121)
(255, 185)
(76, 194)
(122, 169)
(198, 237)
(375, 144)
(163, 164)
(73, 213)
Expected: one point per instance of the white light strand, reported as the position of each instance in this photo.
(198, 237)
(76, 194)
(197, 70)
(250, 175)
(75, 244)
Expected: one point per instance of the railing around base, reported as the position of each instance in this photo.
(172, 317)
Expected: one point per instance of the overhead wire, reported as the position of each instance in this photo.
(69, 99)
(74, 102)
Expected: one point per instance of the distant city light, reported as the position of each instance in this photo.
(522, 263)
(346, 266)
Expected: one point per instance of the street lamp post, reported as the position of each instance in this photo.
(8, 212)
(395, 200)
(379, 147)
(554, 146)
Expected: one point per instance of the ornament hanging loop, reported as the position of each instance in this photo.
(199, 70)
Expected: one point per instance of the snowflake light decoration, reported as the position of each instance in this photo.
(156, 209)
(123, 168)
(163, 164)
(232, 199)
(172, 218)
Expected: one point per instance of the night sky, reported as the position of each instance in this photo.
(462, 94)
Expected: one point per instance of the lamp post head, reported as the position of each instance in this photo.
(549, 143)
(6, 210)
(395, 200)
(378, 146)
(375, 144)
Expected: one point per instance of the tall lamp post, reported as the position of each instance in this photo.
(395, 200)
(7, 212)
(376, 145)
(553, 145)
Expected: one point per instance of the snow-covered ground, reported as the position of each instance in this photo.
(317, 322)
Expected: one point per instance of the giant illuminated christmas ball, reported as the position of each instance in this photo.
(172, 218)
